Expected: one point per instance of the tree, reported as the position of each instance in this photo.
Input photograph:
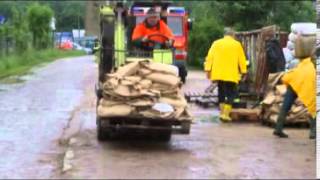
(211, 16)
(39, 17)
(20, 31)
(69, 14)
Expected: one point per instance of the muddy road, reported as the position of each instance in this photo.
(47, 130)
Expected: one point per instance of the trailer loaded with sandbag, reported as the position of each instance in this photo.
(138, 91)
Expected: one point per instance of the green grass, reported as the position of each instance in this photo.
(20, 64)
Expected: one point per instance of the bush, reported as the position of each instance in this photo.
(39, 17)
(20, 31)
(204, 33)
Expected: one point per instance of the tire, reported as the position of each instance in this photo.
(103, 134)
(186, 127)
(164, 136)
(183, 73)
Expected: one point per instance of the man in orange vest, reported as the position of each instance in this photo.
(152, 32)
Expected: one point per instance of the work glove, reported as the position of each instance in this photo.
(169, 43)
(144, 39)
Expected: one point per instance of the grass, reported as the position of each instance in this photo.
(20, 64)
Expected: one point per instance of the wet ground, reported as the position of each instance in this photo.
(48, 130)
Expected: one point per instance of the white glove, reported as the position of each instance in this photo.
(144, 39)
(169, 43)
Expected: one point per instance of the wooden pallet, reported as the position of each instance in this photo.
(207, 102)
(192, 97)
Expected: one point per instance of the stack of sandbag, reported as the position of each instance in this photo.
(144, 89)
(301, 43)
(273, 101)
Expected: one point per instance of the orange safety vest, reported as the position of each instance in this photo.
(142, 30)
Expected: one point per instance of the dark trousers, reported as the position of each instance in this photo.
(288, 101)
(227, 91)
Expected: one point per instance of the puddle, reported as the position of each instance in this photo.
(12, 80)
(210, 119)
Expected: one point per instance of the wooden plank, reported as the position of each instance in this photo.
(248, 115)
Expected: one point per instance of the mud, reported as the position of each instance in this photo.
(33, 115)
(212, 150)
(48, 122)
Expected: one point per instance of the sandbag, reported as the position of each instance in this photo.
(162, 87)
(275, 109)
(144, 72)
(274, 78)
(143, 90)
(281, 89)
(115, 111)
(163, 68)
(177, 102)
(166, 79)
(305, 46)
(143, 102)
(270, 98)
(127, 70)
(297, 109)
(145, 83)
(134, 79)
(107, 103)
(124, 90)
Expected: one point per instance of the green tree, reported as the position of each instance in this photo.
(211, 16)
(69, 14)
(20, 31)
(39, 17)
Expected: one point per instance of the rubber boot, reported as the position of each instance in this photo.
(279, 126)
(226, 113)
(312, 129)
(221, 105)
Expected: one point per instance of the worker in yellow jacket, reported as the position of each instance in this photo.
(224, 62)
(301, 83)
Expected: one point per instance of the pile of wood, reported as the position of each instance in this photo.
(273, 100)
(144, 89)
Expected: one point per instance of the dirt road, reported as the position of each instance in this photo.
(48, 125)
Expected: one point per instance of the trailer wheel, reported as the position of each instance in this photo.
(103, 134)
(164, 136)
(185, 127)
(183, 73)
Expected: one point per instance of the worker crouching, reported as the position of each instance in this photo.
(224, 62)
(301, 83)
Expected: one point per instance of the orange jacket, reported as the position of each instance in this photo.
(142, 30)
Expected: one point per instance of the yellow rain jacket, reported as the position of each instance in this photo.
(302, 79)
(226, 60)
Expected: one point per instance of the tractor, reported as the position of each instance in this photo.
(117, 22)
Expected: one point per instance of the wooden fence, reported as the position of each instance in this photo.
(254, 44)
